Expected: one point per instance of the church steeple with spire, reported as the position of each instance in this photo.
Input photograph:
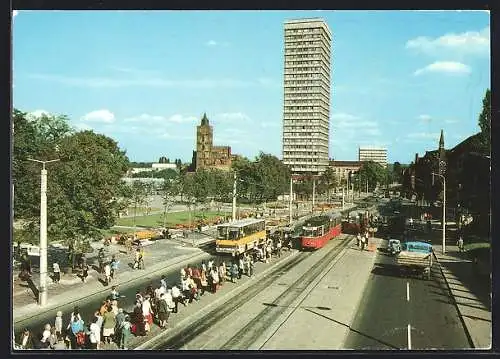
(442, 154)
(204, 120)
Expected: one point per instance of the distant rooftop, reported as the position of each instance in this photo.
(372, 148)
(312, 19)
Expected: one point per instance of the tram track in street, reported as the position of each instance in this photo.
(300, 288)
(181, 339)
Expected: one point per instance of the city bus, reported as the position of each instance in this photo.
(240, 236)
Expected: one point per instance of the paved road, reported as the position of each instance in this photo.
(386, 311)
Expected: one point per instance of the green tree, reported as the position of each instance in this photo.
(83, 188)
(272, 176)
(372, 172)
(169, 191)
(304, 187)
(37, 138)
(137, 195)
(484, 122)
(188, 191)
(223, 187)
(328, 181)
(203, 188)
(397, 172)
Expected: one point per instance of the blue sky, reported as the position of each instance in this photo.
(145, 78)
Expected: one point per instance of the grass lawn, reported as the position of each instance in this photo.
(141, 210)
(156, 220)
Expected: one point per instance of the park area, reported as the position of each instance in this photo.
(182, 219)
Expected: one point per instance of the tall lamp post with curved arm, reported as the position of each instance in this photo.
(42, 295)
(444, 208)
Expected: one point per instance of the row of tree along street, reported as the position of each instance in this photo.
(467, 171)
(86, 191)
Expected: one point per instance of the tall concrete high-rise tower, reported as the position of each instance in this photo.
(306, 111)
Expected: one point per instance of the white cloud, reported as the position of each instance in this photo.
(165, 135)
(343, 116)
(270, 124)
(356, 124)
(233, 131)
(38, 113)
(106, 82)
(424, 117)
(146, 118)
(182, 119)
(213, 43)
(450, 67)
(232, 116)
(134, 72)
(105, 116)
(470, 42)
(372, 131)
(156, 120)
(14, 13)
(423, 135)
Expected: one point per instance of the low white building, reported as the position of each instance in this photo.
(139, 170)
(154, 167)
(164, 166)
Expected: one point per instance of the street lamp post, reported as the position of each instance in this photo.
(234, 197)
(347, 188)
(42, 292)
(290, 200)
(343, 204)
(444, 209)
(314, 193)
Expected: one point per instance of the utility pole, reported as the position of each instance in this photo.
(367, 186)
(290, 200)
(42, 293)
(314, 193)
(347, 189)
(234, 198)
(444, 209)
(343, 204)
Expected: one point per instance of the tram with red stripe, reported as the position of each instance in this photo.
(318, 230)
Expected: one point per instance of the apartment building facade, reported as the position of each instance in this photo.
(306, 109)
(342, 169)
(378, 155)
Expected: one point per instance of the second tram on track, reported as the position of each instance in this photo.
(318, 230)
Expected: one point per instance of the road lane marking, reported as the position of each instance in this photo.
(409, 337)
(407, 291)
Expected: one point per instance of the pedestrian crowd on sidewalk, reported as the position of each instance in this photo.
(111, 323)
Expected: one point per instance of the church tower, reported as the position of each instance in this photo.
(442, 155)
(204, 143)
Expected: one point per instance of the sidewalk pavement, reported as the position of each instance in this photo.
(470, 286)
(70, 288)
